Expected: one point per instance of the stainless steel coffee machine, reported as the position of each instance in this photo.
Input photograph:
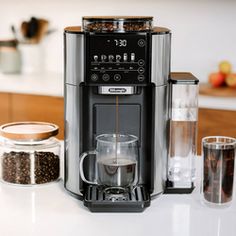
(122, 102)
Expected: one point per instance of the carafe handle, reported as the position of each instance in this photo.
(82, 157)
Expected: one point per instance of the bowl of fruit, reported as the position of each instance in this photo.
(225, 77)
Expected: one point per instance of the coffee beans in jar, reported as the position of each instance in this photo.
(29, 152)
(16, 167)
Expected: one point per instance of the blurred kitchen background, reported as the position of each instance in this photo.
(203, 34)
(203, 31)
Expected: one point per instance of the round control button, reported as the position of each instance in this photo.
(141, 70)
(141, 43)
(106, 77)
(94, 77)
(141, 62)
(141, 78)
(117, 77)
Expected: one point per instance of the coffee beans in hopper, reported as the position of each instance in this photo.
(113, 27)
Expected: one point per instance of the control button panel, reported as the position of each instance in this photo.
(141, 70)
(141, 77)
(117, 77)
(117, 59)
(106, 77)
(141, 62)
(141, 43)
(94, 77)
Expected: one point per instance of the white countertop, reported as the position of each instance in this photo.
(50, 211)
(48, 83)
(52, 84)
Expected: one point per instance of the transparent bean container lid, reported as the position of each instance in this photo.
(29, 153)
(117, 23)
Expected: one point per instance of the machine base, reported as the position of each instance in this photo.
(172, 190)
(98, 199)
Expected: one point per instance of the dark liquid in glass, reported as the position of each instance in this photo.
(218, 174)
(116, 172)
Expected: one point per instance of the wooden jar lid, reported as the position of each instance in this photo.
(29, 130)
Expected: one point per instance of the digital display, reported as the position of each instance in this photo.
(120, 42)
(117, 59)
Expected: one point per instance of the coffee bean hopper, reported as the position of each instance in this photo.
(118, 84)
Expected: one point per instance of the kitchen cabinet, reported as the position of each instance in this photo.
(22, 107)
(25, 107)
(215, 122)
(217, 112)
(4, 107)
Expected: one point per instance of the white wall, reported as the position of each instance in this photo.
(204, 32)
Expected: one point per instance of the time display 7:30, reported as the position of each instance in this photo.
(120, 42)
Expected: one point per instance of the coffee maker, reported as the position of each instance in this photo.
(118, 80)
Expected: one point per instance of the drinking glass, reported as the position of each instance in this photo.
(218, 170)
(116, 160)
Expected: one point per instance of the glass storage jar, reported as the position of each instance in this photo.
(29, 153)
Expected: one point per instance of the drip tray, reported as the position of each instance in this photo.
(99, 199)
